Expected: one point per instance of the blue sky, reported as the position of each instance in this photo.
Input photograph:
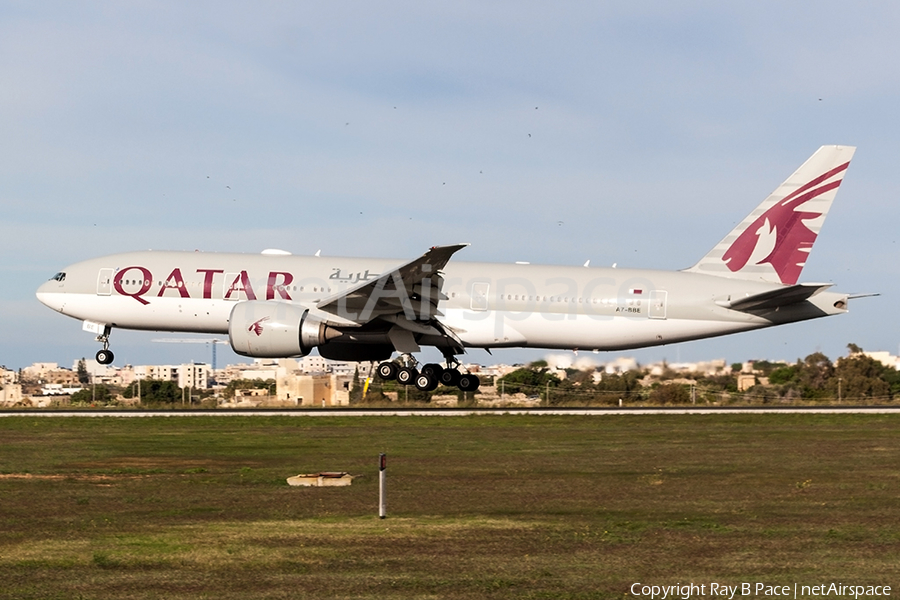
(647, 129)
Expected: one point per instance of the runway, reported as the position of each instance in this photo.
(455, 412)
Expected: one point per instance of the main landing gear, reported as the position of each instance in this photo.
(429, 376)
(105, 356)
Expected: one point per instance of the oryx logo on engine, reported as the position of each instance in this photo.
(257, 327)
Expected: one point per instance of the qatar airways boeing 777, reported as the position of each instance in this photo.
(275, 304)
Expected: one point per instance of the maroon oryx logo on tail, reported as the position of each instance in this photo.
(257, 327)
(780, 236)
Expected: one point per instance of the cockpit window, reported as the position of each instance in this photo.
(59, 277)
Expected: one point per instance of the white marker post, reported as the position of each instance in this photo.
(382, 470)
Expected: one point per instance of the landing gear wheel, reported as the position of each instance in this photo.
(468, 382)
(387, 371)
(450, 377)
(104, 357)
(407, 375)
(426, 382)
(434, 370)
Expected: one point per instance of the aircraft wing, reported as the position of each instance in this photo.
(783, 296)
(410, 291)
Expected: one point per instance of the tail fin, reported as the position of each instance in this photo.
(774, 241)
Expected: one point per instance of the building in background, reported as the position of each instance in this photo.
(7, 376)
(37, 371)
(885, 358)
(10, 394)
(193, 375)
(321, 390)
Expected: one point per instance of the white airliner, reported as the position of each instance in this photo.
(275, 304)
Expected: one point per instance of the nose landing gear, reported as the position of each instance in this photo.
(105, 356)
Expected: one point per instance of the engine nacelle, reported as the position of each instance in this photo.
(275, 330)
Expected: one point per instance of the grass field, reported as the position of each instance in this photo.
(478, 507)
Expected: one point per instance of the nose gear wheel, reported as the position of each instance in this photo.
(105, 356)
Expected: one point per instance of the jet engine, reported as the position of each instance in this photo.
(275, 330)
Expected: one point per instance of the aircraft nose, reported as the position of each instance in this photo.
(49, 295)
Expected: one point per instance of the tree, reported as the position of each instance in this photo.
(154, 391)
(783, 375)
(853, 377)
(527, 380)
(720, 383)
(813, 374)
(670, 393)
(626, 382)
(808, 378)
(580, 377)
(765, 367)
(355, 387)
(98, 394)
(613, 387)
(84, 377)
(859, 376)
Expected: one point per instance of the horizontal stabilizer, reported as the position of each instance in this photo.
(791, 294)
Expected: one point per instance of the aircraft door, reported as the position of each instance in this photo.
(104, 282)
(658, 304)
(480, 295)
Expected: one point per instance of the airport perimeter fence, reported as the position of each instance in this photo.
(684, 394)
(570, 395)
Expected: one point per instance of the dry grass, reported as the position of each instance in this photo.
(479, 507)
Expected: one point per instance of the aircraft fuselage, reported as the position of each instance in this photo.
(277, 305)
(488, 305)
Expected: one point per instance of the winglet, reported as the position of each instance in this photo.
(773, 243)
